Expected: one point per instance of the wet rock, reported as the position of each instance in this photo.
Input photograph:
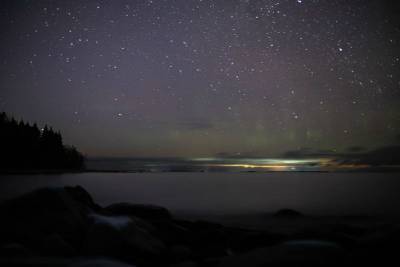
(149, 212)
(117, 222)
(122, 238)
(327, 235)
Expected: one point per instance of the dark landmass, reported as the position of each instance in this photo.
(26, 149)
(65, 227)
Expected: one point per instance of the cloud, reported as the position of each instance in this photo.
(387, 155)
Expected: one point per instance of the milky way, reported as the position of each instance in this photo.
(204, 78)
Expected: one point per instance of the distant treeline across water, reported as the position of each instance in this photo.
(26, 147)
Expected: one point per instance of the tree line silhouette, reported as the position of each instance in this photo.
(25, 147)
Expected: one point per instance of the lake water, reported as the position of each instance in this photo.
(231, 193)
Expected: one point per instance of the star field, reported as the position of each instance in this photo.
(200, 78)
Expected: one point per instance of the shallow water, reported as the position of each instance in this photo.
(232, 193)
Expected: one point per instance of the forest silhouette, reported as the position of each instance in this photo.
(25, 147)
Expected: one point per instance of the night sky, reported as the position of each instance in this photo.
(203, 78)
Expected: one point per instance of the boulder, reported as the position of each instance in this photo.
(122, 238)
(149, 212)
(47, 211)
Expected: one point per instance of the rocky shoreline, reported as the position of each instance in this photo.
(65, 227)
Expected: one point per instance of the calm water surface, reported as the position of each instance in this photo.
(229, 193)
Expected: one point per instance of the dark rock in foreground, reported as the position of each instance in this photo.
(149, 212)
(123, 238)
(36, 217)
(65, 227)
(67, 223)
